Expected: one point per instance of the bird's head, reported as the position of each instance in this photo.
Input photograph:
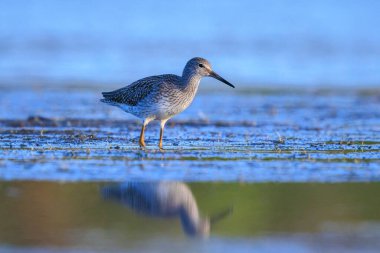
(201, 67)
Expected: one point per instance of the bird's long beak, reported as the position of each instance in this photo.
(221, 215)
(216, 76)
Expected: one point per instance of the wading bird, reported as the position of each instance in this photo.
(161, 97)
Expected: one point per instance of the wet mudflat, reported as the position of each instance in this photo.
(300, 171)
(251, 135)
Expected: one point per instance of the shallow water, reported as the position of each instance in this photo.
(287, 167)
(258, 142)
(77, 217)
(284, 42)
(53, 134)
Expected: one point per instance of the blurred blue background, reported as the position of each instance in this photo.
(299, 43)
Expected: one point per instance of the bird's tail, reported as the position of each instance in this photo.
(107, 101)
(108, 98)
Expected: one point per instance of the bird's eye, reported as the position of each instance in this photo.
(201, 65)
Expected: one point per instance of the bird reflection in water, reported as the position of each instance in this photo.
(164, 199)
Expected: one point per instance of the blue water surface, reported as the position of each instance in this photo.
(250, 42)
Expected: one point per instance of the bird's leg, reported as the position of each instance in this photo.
(142, 137)
(142, 134)
(162, 133)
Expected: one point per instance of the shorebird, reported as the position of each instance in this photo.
(163, 96)
(167, 200)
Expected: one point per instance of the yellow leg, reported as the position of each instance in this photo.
(142, 134)
(142, 137)
(162, 134)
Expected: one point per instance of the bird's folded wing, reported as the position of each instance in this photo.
(133, 93)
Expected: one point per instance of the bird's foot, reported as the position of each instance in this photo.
(161, 148)
(142, 146)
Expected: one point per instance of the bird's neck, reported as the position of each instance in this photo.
(190, 81)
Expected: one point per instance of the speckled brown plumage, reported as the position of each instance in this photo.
(138, 90)
(163, 96)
